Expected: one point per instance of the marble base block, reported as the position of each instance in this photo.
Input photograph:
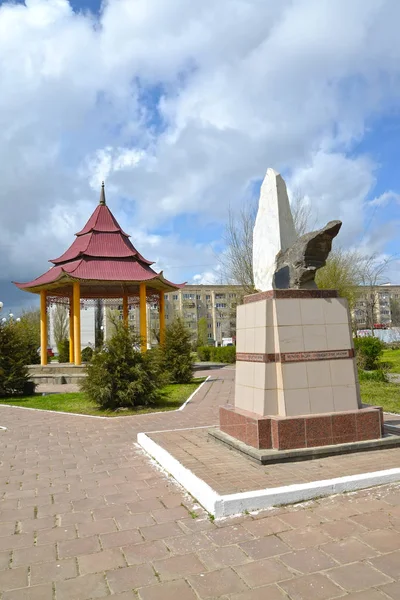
(296, 375)
(287, 433)
(295, 354)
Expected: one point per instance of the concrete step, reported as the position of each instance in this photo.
(56, 369)
(57, 379)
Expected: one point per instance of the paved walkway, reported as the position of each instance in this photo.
(85, 514)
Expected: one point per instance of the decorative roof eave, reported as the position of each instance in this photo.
(158, 282)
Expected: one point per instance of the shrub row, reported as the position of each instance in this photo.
(223, 354)
(368, 352)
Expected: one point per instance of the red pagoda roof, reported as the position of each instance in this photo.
(101, 253)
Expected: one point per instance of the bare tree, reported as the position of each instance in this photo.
(372, 275)
(60, 324)
(305, 219)
(343, 272)
(237, 260)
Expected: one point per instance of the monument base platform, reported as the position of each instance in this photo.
(305, 431)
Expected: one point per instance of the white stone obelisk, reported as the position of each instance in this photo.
(273, 230)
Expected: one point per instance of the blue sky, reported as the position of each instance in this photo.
(181, 108)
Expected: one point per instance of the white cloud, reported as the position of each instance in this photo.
(181, 107)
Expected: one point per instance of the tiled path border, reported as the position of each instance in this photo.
(234, 504)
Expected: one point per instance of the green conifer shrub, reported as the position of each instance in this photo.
(177, 352)
(119, 375)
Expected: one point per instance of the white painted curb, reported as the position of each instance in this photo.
(233, 504)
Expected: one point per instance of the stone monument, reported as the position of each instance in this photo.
(296, 375)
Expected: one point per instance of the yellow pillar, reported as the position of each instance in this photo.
(77, 322)
(71, 331)
(142, 311)
(43, 327)
(125, 310)
(162, 317)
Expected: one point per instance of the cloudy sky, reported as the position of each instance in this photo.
(181, 106)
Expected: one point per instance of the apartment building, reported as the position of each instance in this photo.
(215, 303)
(373, 306)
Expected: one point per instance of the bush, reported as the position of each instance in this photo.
(119, 375)
(368, 352)
(63, 351)
(204, 353)
(87, 354)
(177, 352)
(378, 375)
(14, 375)
(223, 354)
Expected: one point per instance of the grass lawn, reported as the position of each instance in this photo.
(392, 359)
(378, 393)
(173, 396)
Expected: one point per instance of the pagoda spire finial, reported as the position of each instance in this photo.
(102, 195)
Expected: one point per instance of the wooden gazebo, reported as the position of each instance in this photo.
(101, 263)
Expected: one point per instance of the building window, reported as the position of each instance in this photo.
(232, 295)
(220, 296)
(220, 305)
(209, 336)
(218, 324)
(175, 297)
(189, 296)
(208, 297)
(198, 296)
(209, 325)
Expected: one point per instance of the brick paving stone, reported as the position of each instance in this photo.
(304, 538)
(144, 506)
(188, 543)
(128, 578)
(163, 530)
(77, 547)
(172, 590)
(166, 515)
(311, 587)
(56, 534)
(226, 556)
(12, 542)
(134, 521)
(268, 592)
(4, 559)
(388, 564)
(266, 526)
(232, 534)
(121, 538)
(309, 560)
(101, 561)
(13, 578)
(53, 571)
(29, 525)
(263, 572)
(7, 528)
(37, 592)
(357, 576)
(375, 520)
(102, 526)
(265, 547)
(178, 566)
(342, 529)
(37, 554)
(145, 552)
(217, 583)
(82, 588)
(367, 595)
(383, 540)
(347, 551)
(392, 590)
